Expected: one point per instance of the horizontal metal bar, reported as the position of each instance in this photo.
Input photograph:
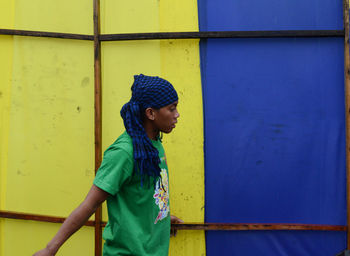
(45, 34)
(36, 217)
(189, 226)
(180, 35)
(257, 226)
(222, 34)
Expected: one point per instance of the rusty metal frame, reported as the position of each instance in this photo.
(98, 118)
(179, 35)
(189, 226)
(98, 224)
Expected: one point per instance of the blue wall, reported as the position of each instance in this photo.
(274, 127)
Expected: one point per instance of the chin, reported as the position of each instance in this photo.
(167, 130)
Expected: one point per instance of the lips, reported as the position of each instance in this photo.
(173, 126)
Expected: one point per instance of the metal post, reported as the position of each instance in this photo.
(98, 119)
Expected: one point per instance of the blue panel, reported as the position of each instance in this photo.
(269, 14)
(279, 243)
(274, 131)
(274, 139)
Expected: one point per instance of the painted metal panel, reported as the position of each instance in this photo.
(279, 243)
(270, 15)
(278, 120)
(274, 127)
(64, 16)
(50, 137)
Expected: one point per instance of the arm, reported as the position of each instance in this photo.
(75, 221)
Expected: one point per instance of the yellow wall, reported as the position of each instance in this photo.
(50, 141)
(48, 123)
(54, 16)
(6, 53)
(181, 65)
(48, 163)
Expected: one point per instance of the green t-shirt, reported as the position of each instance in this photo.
(138, 217)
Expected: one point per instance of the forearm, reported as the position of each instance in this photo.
(76, 220)
(73, 223)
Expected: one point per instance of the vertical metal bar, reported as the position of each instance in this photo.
(347, 109)
(98, 119)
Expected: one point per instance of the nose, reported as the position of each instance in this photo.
(177, 115)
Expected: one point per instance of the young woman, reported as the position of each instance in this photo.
(133, 178)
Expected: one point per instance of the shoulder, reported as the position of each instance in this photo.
(122, 144)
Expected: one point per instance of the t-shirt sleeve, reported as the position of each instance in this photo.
(115, 169)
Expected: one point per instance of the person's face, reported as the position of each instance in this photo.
(166, 117)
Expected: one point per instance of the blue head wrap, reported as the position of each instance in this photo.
(147, 91)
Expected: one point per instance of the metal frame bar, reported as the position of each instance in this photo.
(222, 34)
(13, 32)
(188, 226)
(98, 38)
(98, 118)
(37, 217)
(179, 35)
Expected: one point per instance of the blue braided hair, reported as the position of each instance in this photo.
(147, 91)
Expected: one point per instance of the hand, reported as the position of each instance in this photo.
(44, 252)
(174, 220)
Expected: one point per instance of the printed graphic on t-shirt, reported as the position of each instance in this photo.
(161, 196)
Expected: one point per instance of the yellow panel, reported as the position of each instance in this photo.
(25, 237)
(184, 146)
(6, 14)
(54, 16)
(51, 159)
(6, 52)
(120, 62)
(51, 140)
(46, 126)
(180, 64)
(120, 16)
(178, 16)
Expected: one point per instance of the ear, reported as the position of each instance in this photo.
(150, 113)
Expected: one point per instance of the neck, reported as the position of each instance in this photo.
(151, 132)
